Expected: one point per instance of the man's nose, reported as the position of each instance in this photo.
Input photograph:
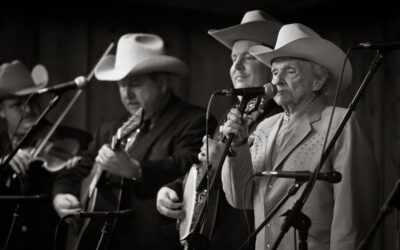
(238, 63)
(131, 93)
(277, 80)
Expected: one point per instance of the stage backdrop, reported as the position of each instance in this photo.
(70, 42)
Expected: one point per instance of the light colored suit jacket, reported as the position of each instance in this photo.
(340, 213)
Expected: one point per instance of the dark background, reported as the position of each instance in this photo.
(68, 37)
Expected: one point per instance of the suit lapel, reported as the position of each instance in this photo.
(300, 131)
(144, 144)
(271, 139)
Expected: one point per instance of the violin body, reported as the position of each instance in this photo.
(57, 152)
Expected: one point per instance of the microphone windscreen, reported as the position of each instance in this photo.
(270, 90)
(39, 75)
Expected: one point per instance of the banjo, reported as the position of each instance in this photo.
(196, 193)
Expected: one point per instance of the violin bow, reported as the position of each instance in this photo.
(69, 105)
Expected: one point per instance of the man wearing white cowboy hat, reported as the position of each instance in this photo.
(305, 67)
(256, 28)
(24, 177)
(160, 153)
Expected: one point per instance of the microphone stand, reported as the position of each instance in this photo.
(15, 213)
(102, 244)
(11, 229)
(392, 201)
(195, 239)
(24, 197)
(292, 191)
(110, 217)
(293, 213)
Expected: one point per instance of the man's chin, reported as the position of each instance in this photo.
(243, 84)
(132, 109)
(281, 99)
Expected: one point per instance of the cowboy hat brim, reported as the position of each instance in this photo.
(107, 70)
(316, 50)
(260, 31)
(15, 79)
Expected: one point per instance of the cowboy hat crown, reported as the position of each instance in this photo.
(137, 54)
(256, 25)
(299, 41)
(16, 80)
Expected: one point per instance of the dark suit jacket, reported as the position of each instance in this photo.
(165, 152)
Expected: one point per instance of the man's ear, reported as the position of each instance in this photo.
(319, 82)
(164, 83)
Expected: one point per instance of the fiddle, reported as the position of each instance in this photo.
(55, 153)
(47, 158)
(53, 127)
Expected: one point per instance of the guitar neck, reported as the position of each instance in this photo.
(97, 171)
(89, 184)
(95, 179)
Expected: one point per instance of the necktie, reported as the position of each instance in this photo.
(145, 126)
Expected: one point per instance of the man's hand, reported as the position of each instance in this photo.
(70, 163)
(118, 162)
(236, 126)
(20, 162)
(168, 203)
(66, 204)
(215, 150)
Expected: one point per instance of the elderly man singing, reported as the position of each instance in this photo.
(305, 67)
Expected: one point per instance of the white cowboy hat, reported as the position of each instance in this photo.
(138, 54)
(15, 79)
(256, 25)
(298, 41)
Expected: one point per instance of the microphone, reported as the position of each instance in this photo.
(331, 177)
(102, 214)
(78, 83)
(268, 90)
(379, 45)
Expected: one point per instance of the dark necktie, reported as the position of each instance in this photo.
(144, 128)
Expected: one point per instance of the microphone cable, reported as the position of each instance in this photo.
(207, 148)
(311, 184)
(244, 210)
(9, 145)
(57, 230)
